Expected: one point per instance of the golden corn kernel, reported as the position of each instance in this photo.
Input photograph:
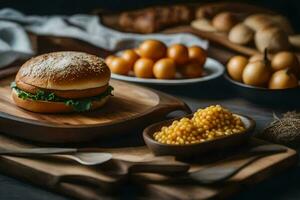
(206, 124)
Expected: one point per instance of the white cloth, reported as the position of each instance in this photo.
(15, 44)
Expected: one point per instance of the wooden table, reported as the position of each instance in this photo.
(283, 186)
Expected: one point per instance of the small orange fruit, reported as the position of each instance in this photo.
(119, 66)
(164, 69)
(198, 54)
(143, 68)
(130, 56)
(179, 53)
(152, 49)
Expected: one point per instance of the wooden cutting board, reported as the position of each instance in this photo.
(214, 37)
(131, 107)
(218, 41)
(240, 9)
(217, 38)
(81, 182)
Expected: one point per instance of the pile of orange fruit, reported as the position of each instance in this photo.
(277, 71)
(153, 59)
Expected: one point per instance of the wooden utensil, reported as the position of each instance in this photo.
(84, 158)
(123, 112)
(218, 173)
(224, 169)
(199, 148)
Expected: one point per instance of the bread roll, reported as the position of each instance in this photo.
(272, 38)
(241, 34)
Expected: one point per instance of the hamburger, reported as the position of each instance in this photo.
(61, 82)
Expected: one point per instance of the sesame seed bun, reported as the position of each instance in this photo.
(62, 78)
(66, 70)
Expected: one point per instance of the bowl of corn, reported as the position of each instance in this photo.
(208, 129)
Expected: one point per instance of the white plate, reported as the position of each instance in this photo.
(212, 68)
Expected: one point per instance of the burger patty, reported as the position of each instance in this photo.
(68, 94)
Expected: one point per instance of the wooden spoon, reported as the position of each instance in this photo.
(84, 158)
(220, 173)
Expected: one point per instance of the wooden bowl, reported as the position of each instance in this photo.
(260, 95)
(190, 150)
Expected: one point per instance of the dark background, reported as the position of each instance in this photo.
(289, 8)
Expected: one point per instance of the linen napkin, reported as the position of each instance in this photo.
(15, 43)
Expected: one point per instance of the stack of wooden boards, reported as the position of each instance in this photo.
(83, 182)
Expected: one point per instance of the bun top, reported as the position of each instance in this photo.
(66, 70)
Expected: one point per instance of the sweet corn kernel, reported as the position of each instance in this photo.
(206, 124)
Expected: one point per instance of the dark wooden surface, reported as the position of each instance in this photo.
(283, 186)
(63, 177)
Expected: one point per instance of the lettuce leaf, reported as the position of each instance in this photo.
(81, 105)
(78, 105)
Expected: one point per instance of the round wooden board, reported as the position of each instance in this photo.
(222, 40)
(132, 107)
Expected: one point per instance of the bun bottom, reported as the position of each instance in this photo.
(50, 107)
